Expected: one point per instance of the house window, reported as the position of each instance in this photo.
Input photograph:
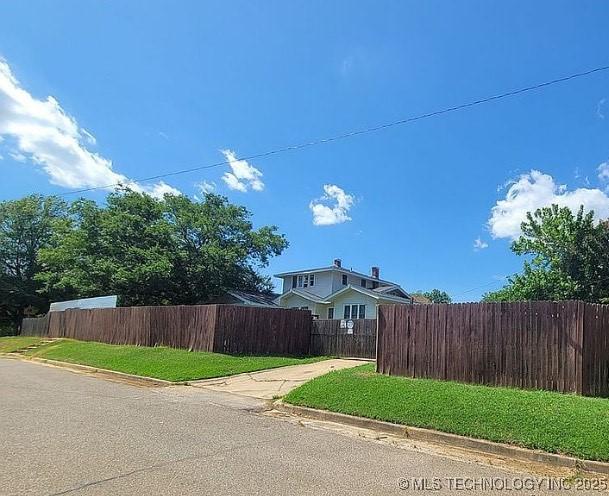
(330, 313)
(363, 283)
(306, 280)
(375, 284)
(344, 279)
(355, 312)
(294, 281)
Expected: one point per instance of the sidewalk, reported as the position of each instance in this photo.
(269, 384)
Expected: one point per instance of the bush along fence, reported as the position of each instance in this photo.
(559, 346)
(219, 328)
(334, 338)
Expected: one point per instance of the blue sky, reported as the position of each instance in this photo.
(155, 86)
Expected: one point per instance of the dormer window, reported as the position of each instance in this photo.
(305, 280)
(344, 279)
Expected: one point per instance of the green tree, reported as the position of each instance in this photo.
(26, 227)
(438, 296)
(568, 258)
(435, 296)
(154, 252)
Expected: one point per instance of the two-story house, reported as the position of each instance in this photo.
(338, 293)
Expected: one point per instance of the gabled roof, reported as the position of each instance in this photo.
(306, 295)
(254, 299)
(386, 289)
(420, 299)
(389, 289)
(342, 270)
(369, 292)
(328, 300)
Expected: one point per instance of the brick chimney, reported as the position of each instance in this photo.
(337, 262)
(375, 272)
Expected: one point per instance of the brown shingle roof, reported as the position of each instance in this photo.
(420, 299)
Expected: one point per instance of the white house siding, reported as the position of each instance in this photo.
(296, 301)
(352, 279)
(328, 282)
(322, 286)
(354, 298)
(337, 281)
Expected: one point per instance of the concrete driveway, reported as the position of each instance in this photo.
(64, 433)
(268, 384)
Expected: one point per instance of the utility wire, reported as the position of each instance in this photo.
(497, 281)
(358, 132)
(505, 278)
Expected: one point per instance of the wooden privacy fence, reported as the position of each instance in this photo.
(328, 338)
(219, 328)
(560, 346)
(38, 326)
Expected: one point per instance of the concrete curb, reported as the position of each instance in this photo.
(437, 437)
(94, 370)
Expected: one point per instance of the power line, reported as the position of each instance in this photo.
(497, 281)
(351, 134)
(505, 278)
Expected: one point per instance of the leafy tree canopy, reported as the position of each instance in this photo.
(26, 226)
(154, 252)
(568, 258)
(436, 296)
(148, 251)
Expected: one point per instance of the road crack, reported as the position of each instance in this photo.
(157, 466)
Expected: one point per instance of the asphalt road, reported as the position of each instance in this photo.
(68, 433)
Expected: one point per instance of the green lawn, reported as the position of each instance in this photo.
(554, 422)
(160, 362)
(11, 344)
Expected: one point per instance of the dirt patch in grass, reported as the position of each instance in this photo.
(12, 344)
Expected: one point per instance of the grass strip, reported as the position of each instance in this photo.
(160, 362)
(12, 344)
(553, 422)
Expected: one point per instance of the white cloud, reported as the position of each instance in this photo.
(535, 190)
(337, 212)
(233, 183)
(603, 171)
(47, 136)
(18, 157)
(243, 176)
(158, 190)
(88, 137)
(479, 244)
(206, 187)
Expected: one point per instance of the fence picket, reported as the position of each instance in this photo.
(559, 346)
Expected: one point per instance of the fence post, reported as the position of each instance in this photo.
(579, 350)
